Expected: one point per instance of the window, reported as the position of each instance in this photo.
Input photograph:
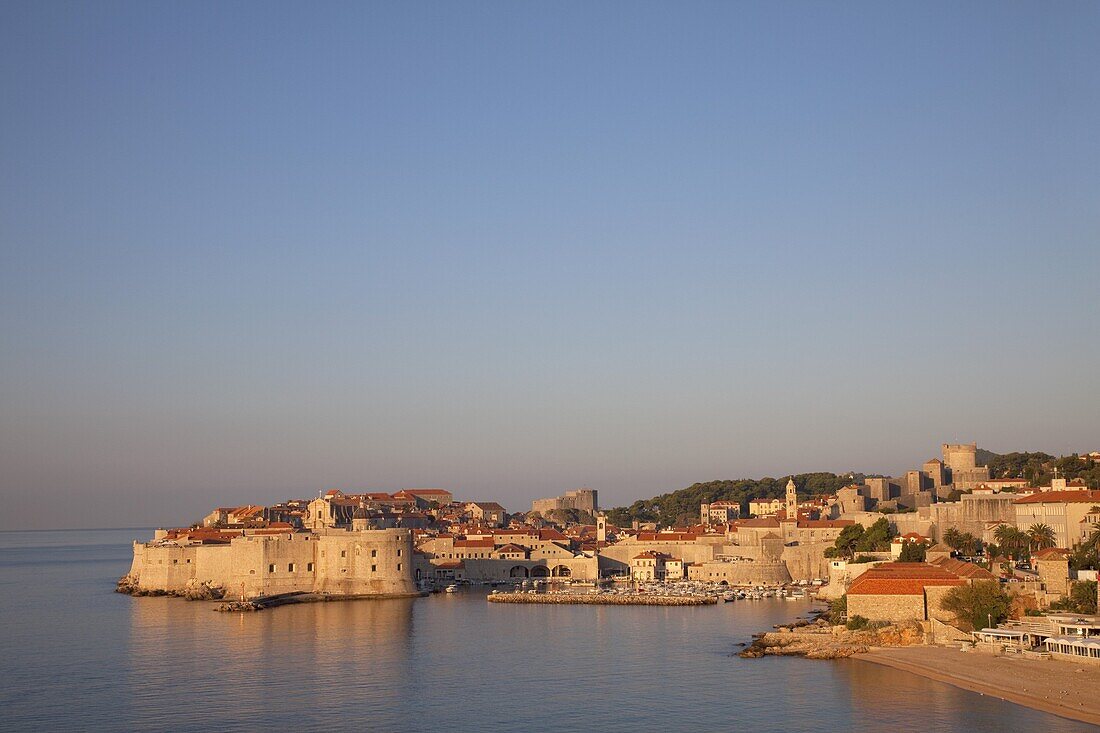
(373, 568)
(399, 566)
(309, 567)
(399, 553)
(343, 553)
(271, 568)
(374, 553)
(290, 567)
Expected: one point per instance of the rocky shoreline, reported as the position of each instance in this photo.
(601, 599)
(194, 591)
(818, 639)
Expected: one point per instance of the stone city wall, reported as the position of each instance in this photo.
(373, 562)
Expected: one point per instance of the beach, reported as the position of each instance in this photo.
(1060, 687)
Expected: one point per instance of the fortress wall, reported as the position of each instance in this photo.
(580, 568)
(163, 568)
(374, 562)
(340, 563)
(807, 561)
(741, 573)
(972, 512)
(687, 551)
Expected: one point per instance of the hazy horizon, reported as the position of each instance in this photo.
(252, 251)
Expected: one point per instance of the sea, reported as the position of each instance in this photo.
(76, 656)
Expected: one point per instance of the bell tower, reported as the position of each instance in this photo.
(601, 527)
(792, 500)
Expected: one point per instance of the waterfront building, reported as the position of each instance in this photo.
(648, 566)
(899, 592)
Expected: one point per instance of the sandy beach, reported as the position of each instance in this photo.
(1060, 687)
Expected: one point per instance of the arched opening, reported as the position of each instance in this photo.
(724, 582)
(418, 573)
(560, 571)
(518, 572)
(540, 571)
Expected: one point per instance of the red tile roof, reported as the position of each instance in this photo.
(1061, 497)
(903, 579)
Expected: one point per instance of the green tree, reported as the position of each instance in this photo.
(1041, 536)
(977, 605)
(1081, 598)
(913, 552)
(838, 610)
(876, 538)
(952, 537)
(845, 543)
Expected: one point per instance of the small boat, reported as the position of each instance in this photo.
(452, 589)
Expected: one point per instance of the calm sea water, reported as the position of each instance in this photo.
(74, 655)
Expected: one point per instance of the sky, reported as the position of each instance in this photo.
(253, 250)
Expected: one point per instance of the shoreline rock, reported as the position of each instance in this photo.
(821, 640)
(193, 591)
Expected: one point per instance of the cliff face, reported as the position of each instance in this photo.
(336, 563)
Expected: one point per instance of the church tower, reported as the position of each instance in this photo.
(792, 500)
(601, 527)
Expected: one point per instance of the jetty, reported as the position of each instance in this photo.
(602, 599)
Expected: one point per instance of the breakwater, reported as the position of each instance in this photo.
(601, 599)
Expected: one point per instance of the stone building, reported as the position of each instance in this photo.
(585, 500)
(960, 461)
(649, 566)
(486, 512)
(900, 592)
(719, 512)
(1064, 511)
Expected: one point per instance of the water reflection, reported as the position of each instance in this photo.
(75, 656)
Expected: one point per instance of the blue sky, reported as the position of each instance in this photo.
(251, 251)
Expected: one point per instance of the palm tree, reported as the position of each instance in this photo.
(1041, 536)
(952, 537)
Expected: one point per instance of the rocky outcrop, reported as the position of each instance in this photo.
(822, 640)
(238, 606)
(203, 591)
(194, 590)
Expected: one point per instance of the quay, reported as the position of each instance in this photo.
(602, 599)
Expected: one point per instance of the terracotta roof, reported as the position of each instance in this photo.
(765, 522)
(903, 579)
(1060, 497)
(1051, 553)
(486, 543)
(649, 554)
(487, 505)
(964, 569)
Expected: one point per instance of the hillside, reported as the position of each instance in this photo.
(682, 507)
